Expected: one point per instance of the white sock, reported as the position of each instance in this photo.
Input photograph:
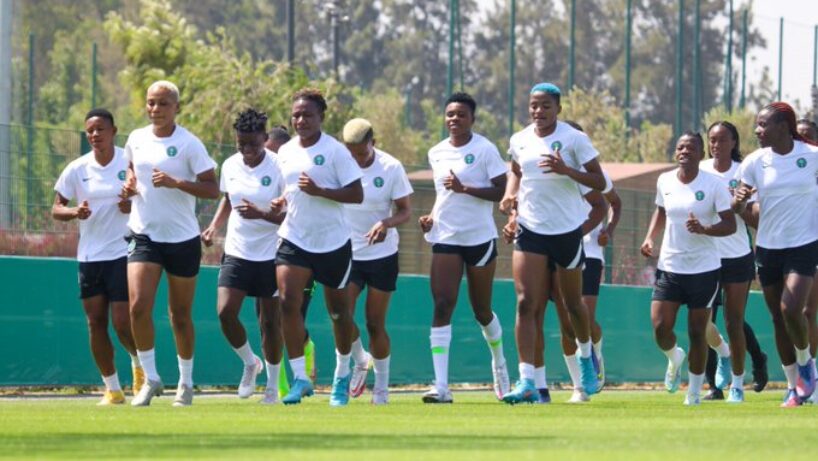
(112, 382)
(381, 373)
(358, 352)
(272, 376)
(440, 339)
(675, 354)
(245, 353)
(791, 372)
(185, 371)
(148, 360)
(802, 356)
(598, 347)
(539, 378)
(694, 385)
(299, 367)
(723, 349)
(738, 381)
(526, 371)
(573, 370)
(341, 364)
(584, 349)
(493, 333)
(135, 361)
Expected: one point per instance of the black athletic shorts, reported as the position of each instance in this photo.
(773, 265)
(475, 255)
(109, 278)
(381, 274)
(591, 277)
(256, 278)
(566, 250)
(181, 259)
(330, 269)
(738, 270)
(695, 290)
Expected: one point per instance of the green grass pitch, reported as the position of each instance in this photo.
(630, 425)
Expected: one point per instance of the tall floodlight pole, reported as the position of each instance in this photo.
(290, 12)
(728, 71)
(743, 98)
(780, 54)
(5, 113)
(679, 59)
(697, 66)
(94, 74)
(628, 35)
(512, 43)
(572, 54)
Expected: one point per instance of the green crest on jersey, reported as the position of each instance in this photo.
(319, 160)
(121, 175)
(378, 182)
(469, 159)
(172, 151)
(556, 145)
(265, 181)
(733, 183)
(699, 195)
(802, 162)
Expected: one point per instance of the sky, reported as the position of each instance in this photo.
(800, 18)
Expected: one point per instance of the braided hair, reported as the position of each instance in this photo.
(251, 121)
(783, 112)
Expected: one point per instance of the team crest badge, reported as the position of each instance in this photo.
(802, 162)
(378, 182)
(699, 195)
(319, 160)
(172, 151)
(733, 183)
(556, 145)
(265, 181)
(121, 175)
(469, 159)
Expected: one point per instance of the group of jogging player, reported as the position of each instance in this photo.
(312, 209)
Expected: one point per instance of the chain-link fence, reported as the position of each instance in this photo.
(37, 155)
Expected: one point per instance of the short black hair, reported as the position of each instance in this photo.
(251, 121)
(101, 113)
(279, 134)
(695, 135)
(314, 95)
(463, 98)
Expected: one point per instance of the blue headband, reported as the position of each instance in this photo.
(548, 88)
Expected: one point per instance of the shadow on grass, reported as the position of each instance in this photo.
(99, 444)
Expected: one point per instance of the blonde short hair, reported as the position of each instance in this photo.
(165, 85)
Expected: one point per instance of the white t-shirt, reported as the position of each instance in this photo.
(786, 184)
(251, 239)
(102, 235)
(383, 181)
(738, 244)
(460, 219)
(682, 251)
(163, 214)
(316, 224)
(548, 203)
(590, 241)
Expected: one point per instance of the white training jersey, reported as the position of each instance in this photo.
(384, 181)
(682, 251)
(461, 219)
(590, 241)
(548, 203)
(316, 224)
(102, 235)
(738, 244)
(251, 239)
(163, 214)
(786, 184)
